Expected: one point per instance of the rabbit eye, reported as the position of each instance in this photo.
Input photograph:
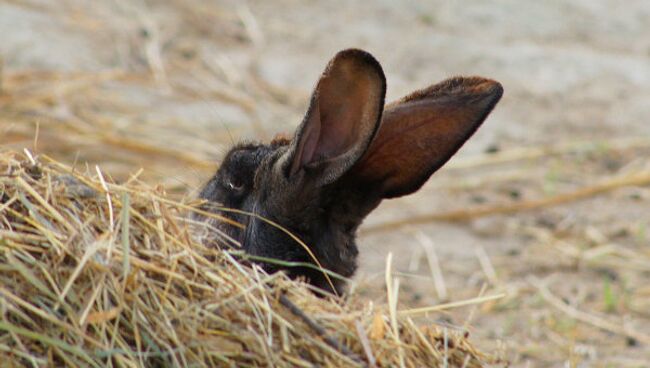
(235, 185)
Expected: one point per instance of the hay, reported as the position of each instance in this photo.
(96, 274)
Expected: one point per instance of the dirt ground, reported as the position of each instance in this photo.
(167, 86)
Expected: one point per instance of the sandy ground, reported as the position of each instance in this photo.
(168, 85)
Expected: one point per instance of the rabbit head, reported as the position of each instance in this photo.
(349, 153)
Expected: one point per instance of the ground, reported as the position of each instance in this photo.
(167, 86)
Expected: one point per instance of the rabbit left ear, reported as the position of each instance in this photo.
(343, 117)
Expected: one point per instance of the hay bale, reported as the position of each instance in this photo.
(94, 273)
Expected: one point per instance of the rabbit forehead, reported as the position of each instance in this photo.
(246, 155)
(246, 158)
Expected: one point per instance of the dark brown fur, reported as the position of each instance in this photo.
(349, 153)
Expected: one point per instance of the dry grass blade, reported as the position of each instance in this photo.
(638, 179)
(462, 303)
(530, 153)
(159, 297)
(317, 328)
(586, 317)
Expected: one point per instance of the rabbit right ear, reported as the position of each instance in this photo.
(343, 117)
(421, 132)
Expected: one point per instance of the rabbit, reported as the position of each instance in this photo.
(349, 153)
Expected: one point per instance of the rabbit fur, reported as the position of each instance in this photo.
(350, 152)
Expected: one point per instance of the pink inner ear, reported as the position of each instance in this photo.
(313, 134)
(337, 138)
(343, 115)
(309, 142)
(335, 122)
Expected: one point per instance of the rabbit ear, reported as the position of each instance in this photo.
(420, 132)
(343, 116)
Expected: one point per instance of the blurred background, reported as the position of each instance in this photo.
(547, 203)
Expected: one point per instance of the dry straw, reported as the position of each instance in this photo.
(99, 274)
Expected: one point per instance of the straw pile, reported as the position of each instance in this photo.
(96, 274)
